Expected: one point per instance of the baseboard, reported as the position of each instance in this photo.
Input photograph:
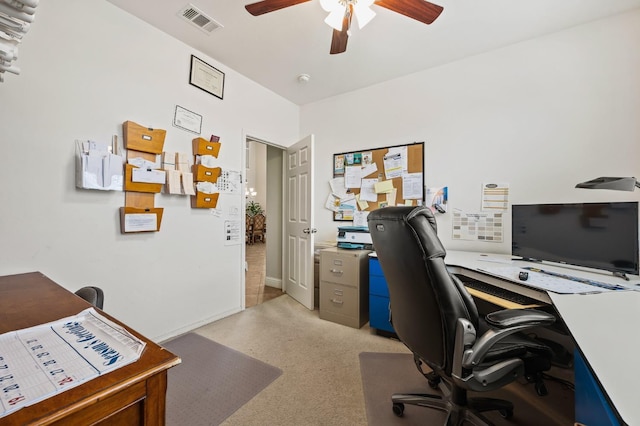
(273, 282)
(190, 327)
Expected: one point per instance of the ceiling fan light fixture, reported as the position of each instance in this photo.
(363, 12)
(331, 5)
(334, 19)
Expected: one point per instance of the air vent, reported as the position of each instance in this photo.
(195, 17)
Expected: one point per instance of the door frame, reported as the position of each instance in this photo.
(249, 136)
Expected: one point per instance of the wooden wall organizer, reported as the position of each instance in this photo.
(205, 174)
(139, 198)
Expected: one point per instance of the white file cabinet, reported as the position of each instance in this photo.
(344, 286)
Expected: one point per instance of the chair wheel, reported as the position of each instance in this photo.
(506, 413)
(398, 409)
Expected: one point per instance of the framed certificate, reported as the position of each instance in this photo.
(187, 120)
(206, 77)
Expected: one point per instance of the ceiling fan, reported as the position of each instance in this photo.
(341, 12)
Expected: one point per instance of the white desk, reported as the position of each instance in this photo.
(604, 326)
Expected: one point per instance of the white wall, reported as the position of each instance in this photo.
(87, 67)
(541, 115)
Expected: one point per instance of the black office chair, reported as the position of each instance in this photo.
(436, 318)
(93, 295)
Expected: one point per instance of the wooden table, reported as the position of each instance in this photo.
(131, 395)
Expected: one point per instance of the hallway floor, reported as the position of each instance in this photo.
(256, 291)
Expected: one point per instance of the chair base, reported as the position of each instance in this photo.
(459, 409)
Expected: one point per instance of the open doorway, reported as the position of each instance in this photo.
(264, 201)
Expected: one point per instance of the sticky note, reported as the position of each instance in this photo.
(383, 187)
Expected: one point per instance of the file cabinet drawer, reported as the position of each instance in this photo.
(338, 268)
(378, 286)
(338, 298)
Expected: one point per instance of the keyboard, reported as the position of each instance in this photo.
(499, 292)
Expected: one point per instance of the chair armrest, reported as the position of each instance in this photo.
(507, 322)
(515, 317)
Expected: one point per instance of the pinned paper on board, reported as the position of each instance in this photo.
(395, 162)
(367, 190)
(412, 186)
(352, 176)
(362, 204)
(337, 186)
(383, 187)
(332, 203)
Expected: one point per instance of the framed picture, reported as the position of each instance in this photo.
(206, 77)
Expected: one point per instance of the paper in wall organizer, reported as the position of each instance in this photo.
(133, 219)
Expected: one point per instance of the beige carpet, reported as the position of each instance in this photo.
(386, 373)
(212, 382)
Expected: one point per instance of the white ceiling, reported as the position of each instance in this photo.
(273, 49)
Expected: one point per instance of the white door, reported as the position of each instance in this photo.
(299, 231)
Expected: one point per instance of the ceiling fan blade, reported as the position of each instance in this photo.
(267, 6)
(339, 38)
(419, 10)
(339, 42)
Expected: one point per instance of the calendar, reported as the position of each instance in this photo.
(42, 361)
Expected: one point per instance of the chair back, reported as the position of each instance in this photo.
(257, 232)
(425, 299)
(93, 295)
(258, 222)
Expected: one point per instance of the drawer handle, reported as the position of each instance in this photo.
(336, 271)
(338, 292)
(337, 302)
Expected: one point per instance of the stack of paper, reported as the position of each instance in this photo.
(16, 17)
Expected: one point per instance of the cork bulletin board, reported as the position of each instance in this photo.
(375, 178)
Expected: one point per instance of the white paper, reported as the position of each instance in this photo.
(207, 160)
(495, 196)
(412, 186)
(182, 162)
(337, 186)
(206, 187)
(360, 218)
(369, 169)
(140, 222)
(437, 196)
(42, 361)
(187, 120)
(148, 176)
(187, 184)
(229, 182)
(332, 203)
(395, 162)
(481, 226)
(352, 176)
(173, 182)
(232, 230)
(367, 190)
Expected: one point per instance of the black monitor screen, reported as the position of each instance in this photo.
(594, 235)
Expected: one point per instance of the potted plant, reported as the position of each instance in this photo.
(254, 208)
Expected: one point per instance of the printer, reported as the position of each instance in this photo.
(354, 237)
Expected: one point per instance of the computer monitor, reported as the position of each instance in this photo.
(594, 235)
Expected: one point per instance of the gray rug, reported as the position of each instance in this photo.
(212, 382)
(386, 373)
